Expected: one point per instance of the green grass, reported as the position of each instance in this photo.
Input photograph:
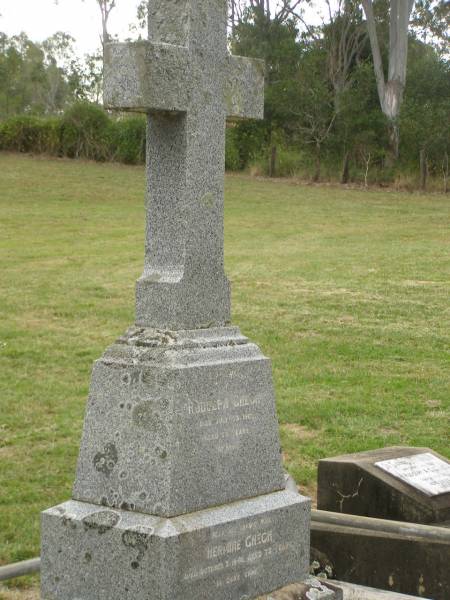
(347, 291)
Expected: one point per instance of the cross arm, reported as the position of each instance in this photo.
(145, 76)
(245, 87)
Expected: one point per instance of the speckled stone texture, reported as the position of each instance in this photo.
(237, 551)
(188, 83)
(179, 421)
(180, 493)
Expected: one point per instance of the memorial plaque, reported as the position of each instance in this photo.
(425, 472)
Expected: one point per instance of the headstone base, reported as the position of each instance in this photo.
(235, 551)
(179, 421)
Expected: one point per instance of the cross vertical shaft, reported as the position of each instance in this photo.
(188, 84)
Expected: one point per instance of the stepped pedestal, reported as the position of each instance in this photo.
(180, 492)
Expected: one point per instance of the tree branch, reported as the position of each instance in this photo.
(376, 53)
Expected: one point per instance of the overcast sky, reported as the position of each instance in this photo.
(41, 18)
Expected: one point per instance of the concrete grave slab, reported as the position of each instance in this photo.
(394, 556)
(365, 484)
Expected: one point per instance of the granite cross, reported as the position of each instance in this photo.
(188, 83)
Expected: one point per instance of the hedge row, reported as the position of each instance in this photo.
(86, 131)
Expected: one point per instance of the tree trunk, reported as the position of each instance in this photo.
(273, 161)
(423, 169)
(366, 173)
(316, 176)
(390, 91)
(233, 17)
(394, 142)
(345, 175)
(445, 172)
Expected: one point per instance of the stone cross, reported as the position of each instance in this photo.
(180, 492)
(188, 83)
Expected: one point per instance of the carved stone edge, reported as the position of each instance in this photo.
(153, 347)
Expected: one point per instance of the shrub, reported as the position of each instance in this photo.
(128, 140)
(250, 137)
(31, 134)
(288, 162)
(84, 132)
(232, 158)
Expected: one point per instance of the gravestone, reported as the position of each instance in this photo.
(180, 492)
(399, 483)
(401, 497)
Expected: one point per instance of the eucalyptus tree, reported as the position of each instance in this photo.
(431, 23)
(391, 87)
(278, 11)
(106, 7)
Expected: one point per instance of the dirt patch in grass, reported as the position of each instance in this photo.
(17, 594)
(299, 431)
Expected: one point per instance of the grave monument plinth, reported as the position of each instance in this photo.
(180, 492)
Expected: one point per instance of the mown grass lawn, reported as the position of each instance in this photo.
(346, 290)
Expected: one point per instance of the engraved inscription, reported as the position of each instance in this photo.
(223, 423)
(239, 552)
(425, 472)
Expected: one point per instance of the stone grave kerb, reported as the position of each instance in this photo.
(186, 81)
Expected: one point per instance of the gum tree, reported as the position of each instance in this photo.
(391, 88)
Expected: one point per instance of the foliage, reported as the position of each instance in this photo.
(84, 132)
(128, 140)
(322, 111)
(321, 93)
(426, 114)
(232, 156)
(431, 23)
(289, 163)
(37, 78)
(260, 37)
(31, 134)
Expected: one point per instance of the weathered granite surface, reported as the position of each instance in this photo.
(354, 484)
(188, 83)
(179, 421)
(181, 413)
(239, 550)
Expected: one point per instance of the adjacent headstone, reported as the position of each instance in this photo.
(405, 544)
(180, 492)
(400, 483)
